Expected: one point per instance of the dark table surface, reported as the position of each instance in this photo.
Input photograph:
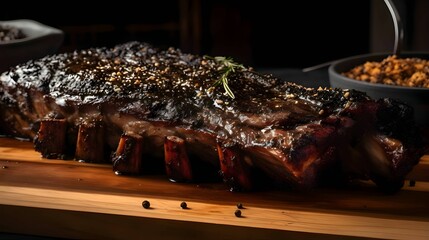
(314, 79)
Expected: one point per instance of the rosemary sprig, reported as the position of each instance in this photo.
(228, 66)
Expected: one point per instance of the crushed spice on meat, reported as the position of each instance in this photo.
(409, 72)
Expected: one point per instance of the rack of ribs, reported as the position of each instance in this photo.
(145, 109)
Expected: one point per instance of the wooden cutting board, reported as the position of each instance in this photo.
(69, 199)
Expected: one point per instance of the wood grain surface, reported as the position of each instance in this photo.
(69, 199)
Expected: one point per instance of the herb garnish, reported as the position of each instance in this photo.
(228, 66)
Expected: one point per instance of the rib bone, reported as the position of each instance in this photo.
(128, 156)
(177, 165)
(50, 140)
(234, 169)
(90, 141)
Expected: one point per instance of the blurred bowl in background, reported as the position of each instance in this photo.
(417, 97)
(39, 40)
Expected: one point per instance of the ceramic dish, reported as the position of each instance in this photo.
(417, 97)
(40, 40)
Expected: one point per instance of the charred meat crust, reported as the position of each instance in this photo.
(291, 133)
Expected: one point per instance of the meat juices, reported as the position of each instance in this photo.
(146, 109)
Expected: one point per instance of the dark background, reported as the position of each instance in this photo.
(262, 34)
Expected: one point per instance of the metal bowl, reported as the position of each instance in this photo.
(416, 97)
(40, 40)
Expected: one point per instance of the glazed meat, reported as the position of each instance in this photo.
(198, 118)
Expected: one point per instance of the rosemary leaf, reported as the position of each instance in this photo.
(228, 66)
(227, 89)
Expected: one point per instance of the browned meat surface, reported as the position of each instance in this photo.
(148, 110)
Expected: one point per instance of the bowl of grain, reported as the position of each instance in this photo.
(24, 39)
(385, 75)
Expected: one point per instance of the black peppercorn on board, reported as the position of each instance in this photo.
(70, 199)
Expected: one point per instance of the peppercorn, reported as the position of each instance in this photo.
(184, 205)
(146, 204)
(237, 213)
(239, 205)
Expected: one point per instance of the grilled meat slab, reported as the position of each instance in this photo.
(144, 109)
